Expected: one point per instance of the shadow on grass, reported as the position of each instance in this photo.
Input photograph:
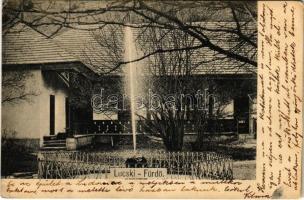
(238, 153)
(239, 150)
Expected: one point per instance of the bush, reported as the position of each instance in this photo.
(15, 157)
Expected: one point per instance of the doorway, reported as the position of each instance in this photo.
(52, 114)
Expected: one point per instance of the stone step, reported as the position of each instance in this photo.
(54, 141)
(49, 137)
(46, 148)
(54, 144)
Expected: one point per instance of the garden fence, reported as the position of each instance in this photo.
(179, 165)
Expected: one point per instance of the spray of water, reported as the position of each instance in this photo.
(130, 75)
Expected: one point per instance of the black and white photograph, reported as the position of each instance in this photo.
(129, 89)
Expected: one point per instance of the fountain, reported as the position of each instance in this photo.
(131, 77)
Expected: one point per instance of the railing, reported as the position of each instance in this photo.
(180, 165)
(118, 126)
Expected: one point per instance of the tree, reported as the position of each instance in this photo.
(170, 79)
(171, 33)
(50, 18)
(177, 86)
(15, 88)
(169, 72)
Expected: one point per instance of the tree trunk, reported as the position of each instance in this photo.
(174, 138)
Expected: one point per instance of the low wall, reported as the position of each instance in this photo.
(79, 141)
(103, 139)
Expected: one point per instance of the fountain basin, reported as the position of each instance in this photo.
(136, 162)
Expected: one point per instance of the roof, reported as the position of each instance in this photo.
(102, 49)
(86, 47)
(23, 45)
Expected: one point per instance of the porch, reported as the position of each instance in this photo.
(109, 131)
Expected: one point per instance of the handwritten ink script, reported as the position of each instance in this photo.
(115, 188)
(280, 77)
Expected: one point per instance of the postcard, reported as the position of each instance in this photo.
(152, 99)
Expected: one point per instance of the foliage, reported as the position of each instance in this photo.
(15, 156)
(81, 90)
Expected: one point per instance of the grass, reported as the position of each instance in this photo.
(243, 152)
(244, 170)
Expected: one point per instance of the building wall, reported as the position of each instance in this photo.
(253, 115)
(22, 116)
(51, 84)
(31, 118)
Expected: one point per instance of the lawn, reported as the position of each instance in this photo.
(244, 170)
(19, 163)
(243, 152)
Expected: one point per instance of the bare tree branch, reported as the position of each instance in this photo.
(141, 15)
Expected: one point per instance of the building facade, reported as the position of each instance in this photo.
(42, 67)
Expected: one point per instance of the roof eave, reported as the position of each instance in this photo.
(55, 66)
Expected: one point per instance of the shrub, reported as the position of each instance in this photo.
(15, 156)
